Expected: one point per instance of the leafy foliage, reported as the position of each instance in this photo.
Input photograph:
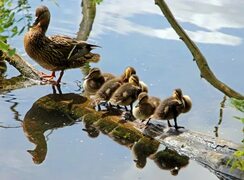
(12, 13)
(237, 160)
(98, 1)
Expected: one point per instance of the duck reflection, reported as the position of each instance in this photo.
(170, 160)
(44, 116)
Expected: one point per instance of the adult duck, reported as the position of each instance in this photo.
(55, 53)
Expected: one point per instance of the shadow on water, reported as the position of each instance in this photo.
(44, 116)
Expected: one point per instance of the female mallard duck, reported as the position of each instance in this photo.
(110, 86)
(172, 107)
(94, 80)
(55, 53)
(145, 107)
(127, 93)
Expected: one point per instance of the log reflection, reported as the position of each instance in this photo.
(59, 110)
(55, 111)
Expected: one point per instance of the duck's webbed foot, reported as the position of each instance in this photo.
(169, 125)
(127, 116)
(46, 76)
(179, 127)
(147, 122)
(176, 125)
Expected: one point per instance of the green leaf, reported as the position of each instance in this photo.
(14, 31)
(11, 52)
(22, 29)
(9, 4)
(3, 46)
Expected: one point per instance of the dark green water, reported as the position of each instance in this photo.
(131, 34)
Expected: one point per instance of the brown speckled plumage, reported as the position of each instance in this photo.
(57, 52)
(110, 86)
(146, 106)
(172, 107)
(127, 93)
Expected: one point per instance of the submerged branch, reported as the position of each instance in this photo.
(14, 83)
(202, 64)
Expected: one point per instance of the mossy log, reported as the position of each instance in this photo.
(60, 110)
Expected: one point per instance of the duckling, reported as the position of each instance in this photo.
(127, 73)
(143, 86)
(172, 107)
(110, 86)
(94, 80)
(55, 53)
(127, 93)
(145, 107)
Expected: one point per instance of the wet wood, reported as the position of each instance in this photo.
(89, 13)
(14, 83)
(201, 61)
(22, 66)
(209, 151)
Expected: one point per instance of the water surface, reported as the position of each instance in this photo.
(131, 34)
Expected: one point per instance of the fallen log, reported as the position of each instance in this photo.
(209, 151)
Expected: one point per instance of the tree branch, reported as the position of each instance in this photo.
(202, 64)
(89, 13)
(22, 66)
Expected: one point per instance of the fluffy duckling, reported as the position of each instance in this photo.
(94, 80)
(145, 107)
(172, 107)
(127, 74)
(127, 93)
(110, 86)
(143, 86)
(55, 53)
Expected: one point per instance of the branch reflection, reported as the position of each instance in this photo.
(221, 112)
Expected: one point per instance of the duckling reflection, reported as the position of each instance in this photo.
(91, 130)
(143, 149)
(170, 160)
(44, 116)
